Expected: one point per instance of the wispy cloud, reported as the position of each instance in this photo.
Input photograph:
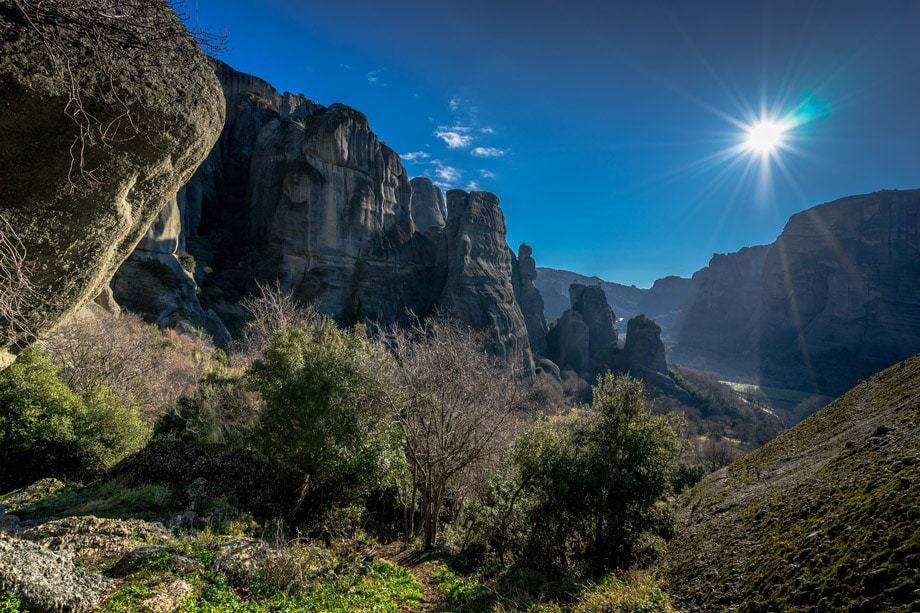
(455, 103)
(447, 176)
(485, 173)
(455, 137)
(472, 186)
(373, 77)
(414, 156)
(488, 152)
(487, 130)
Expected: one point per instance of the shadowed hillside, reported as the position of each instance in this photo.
(822, 518)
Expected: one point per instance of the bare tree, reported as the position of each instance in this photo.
(459, 406)
(271, 310)
(141, 365)
(15, 289)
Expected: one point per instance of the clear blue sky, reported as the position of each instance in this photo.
(596, 122)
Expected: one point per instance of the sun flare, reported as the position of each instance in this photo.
(765, 136)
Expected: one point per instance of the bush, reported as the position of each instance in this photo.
(188, 262)
(48, 429)
(584, 491)
(328, 402)
(635, 594)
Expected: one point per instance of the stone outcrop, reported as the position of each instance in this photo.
(46, 580)
(84, 179)
(524, 274)
(584, 339)
(428, 210)
(643, 347)
(308, 196)
(478, 288)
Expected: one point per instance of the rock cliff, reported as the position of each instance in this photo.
(524, 275)
(584, 339)
(308, 196)
(93, 148)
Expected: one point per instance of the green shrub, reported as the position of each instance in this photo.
(47, 429)
(635, 594)
(583, 491)
(327, 409)
(187, 260)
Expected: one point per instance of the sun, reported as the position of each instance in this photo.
(765, 136)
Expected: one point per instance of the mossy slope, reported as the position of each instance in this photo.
(825, 517)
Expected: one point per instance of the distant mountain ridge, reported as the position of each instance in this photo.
(834, 299)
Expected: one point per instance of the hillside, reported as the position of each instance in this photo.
(825, 517)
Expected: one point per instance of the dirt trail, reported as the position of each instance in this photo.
(420, 567)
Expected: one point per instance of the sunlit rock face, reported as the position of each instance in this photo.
(80, 206)
(309, 197)
(479, 289)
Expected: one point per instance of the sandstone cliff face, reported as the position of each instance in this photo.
(479, 289)
(153, 111)
(309, 197)
(524, 274)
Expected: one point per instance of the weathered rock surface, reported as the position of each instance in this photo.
(81, 187)
(47, 581)
(478, 289)
(524, 274)
(91, 539)
(428, 209)
(584, 339)
(643, 347)
(308, 196)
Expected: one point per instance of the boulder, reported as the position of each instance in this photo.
(479, 290)
(48, 581)
(93, 539)
(85, 177)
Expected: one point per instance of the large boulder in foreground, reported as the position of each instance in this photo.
(106, 109)
(823, 518)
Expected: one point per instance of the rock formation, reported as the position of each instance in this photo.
(585, 338)
(83, 178)
(478, 288)
(308, 196)
(529, 298)
(644, 349)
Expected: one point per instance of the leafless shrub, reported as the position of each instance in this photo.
(715, 453)
(459, 409)
(15, 289)
(271, 310)
(141, 365)
(112, 30)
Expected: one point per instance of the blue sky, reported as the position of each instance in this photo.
(603, 126)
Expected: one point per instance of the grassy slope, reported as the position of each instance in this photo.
(825, 517)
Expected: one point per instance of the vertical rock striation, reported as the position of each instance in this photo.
(524, 276)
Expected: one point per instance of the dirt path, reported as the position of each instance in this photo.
(420, 567)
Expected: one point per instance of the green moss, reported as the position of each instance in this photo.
(10, 603)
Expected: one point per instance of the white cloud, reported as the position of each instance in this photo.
(446, 174)
(374, 76)
(455, 137)
(487, 130)
(485, 173)
(414, 156)
(455, 103)
(472, 186)
(488, 152)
